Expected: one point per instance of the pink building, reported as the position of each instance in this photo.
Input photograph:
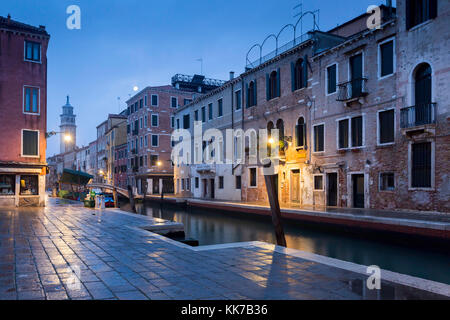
(23, 113)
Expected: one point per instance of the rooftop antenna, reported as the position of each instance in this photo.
(118, 104)
(300, 5)
(201, 65)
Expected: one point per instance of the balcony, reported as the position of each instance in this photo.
(418, 116)
(352, 90)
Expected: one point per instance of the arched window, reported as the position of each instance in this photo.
(299, 74)
(300, 133)
(280, 127)
(422, 84)
(269, 135)
(273, 84)
(251, 94)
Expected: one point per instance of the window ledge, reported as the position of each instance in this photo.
(420, 189)
(385, 145)
(418, 26)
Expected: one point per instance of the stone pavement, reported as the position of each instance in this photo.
(45, 251)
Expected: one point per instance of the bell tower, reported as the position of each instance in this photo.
(68, 128)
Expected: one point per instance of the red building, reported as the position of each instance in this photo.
(120, 166)
(23, 113)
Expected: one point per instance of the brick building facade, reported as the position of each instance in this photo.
(23, 113)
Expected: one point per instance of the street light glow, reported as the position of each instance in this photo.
(159, 163)
(67, 138)
(271, 141)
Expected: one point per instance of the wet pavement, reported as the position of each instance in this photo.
(65, 251)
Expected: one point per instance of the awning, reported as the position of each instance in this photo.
(75, 177)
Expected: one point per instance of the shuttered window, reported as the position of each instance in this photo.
(300, 130)
(331, 79)
(238, 99)
(210, 111)
(186, 121)
(154, 100)
(386, 126)
(32, 51)
(155, 120)
(357, 132)
(196, 115)
(30, 143)
(251, 94)
(319, 138)
(421, 165)
(419, 11)
(343, 134)
(155, 140)
(31, 100)
(220, 108)
(173, 102)
(203, 114)
(221, 182)
(387, 58)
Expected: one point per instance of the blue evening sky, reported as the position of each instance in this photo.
(123, 43)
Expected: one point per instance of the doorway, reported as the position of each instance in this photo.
(358, 190)
(212, 181)
(205, 188)
(356, 69)
(295, 186)
(332, 189)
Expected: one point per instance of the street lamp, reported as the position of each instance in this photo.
(159, 163)
(67, 137)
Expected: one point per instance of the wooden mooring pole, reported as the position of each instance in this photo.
(271, 186)
(116, 201)
(131, 197)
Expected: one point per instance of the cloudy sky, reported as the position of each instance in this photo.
(126, 43)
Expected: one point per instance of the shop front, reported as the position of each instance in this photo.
(22, 185)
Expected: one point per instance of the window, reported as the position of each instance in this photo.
(318, 183)
(386, 58)
(357, 132)
(220, 108)
(210, 111)
(155, 140)
(145, 100)
(331, 79)
(273, 84)
(178, 124)
(7, 184)
(238, 182)
(186, 121)
(173, 102)
(182, 184)
(141, 123)
(141, 161)
(251, 94)
(387, 182)
(155, 120)
(203, 114)
(421, 165)
(196, 182)
(141, 140)
(299, 74)
(29, 185)
(221, 182)
(154, 100)
(172, 121)
(32, 51)
(300, 133)
(196, 115)
(238, 97)
(30, 143)
(188, 184)
(252, 173)
(187, 101)
(30, 100)
(145, 121)
(319, 138)
(141, 103)
(386, 126)
(145, 141)
(419, 11)
(153, 160)
(343, 134)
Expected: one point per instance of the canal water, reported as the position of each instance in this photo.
(216, 227)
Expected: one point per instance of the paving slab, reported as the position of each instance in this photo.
(66, 251)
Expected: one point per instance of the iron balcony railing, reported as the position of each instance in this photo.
(352, 89)
(418, 115)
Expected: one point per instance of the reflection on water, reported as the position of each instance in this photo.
(215, 227)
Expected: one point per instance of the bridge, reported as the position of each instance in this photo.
(103, 187)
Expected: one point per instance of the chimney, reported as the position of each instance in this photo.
(9, 18)
(42, 27)
(231, 75)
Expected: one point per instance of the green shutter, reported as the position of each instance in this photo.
(305, 71)
(267, 87)
(278, 83)
(293, 84)
(255, 95)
